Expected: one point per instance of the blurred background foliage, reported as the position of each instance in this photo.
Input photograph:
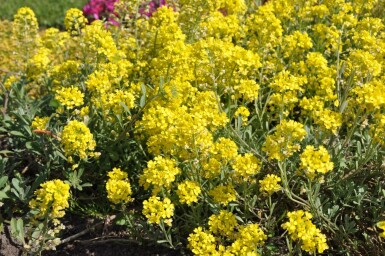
(50, 13)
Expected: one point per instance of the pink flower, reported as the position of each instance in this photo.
(99, 9)
(104, 9)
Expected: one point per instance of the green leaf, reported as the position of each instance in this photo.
(86, 185)
(28, 145)
(3, 195)
(143, 98)
(13, 226)
(125, 107)
(54, 103)
(28, 129)
(17, 133)
(3, 180)
(17, 229)
(16, 183)
(121, 221)
(20, 229)
(6, 152)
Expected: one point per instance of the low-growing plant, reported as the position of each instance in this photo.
(221, 127)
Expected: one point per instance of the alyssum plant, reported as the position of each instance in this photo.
(224, 127)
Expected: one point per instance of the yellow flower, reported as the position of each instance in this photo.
(245, 166)
(381, 225)
(70, 97)
(25, 22)
(284, 142)
(201, 242)
(269, 184)
(223, 224)
(118, 187)
(157, 210)
(9, 82)
(315, 162)
(40, 123)
(248, 239)
(77, 139)
(301, 228)
(223, 194)
(160, 173)
(244, 113)
(188, 192)
(75, 21)
(246, 89)
(51, 199)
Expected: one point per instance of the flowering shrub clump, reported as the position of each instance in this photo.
(225, 116)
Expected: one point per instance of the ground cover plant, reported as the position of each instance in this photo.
(217, 127)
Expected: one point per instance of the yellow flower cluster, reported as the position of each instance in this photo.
(25, 23)
(74, 21)
(296, 44)
(315, 162)
(300, 228)
(118, 187)
(174, 80)
(249, 237)
(51, 199)
(9, 82)
(223, 194)
(284, 142)
(246, 89)
(244, 113)
(269, 184)
(246, 241)
(157, 210)
(70, 97)
(98, 42)
(371, 95)
(160, 173)
(245, 167)
(109, 86)
(177, 127)
(286, 89)
(223, 224)
(225, 150)
(25, 32)
(77, 139)
(188, 192)
(202, 242)
(40, 123)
